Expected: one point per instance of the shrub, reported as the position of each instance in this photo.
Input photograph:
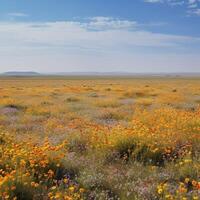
(72, 99)
(77, 144)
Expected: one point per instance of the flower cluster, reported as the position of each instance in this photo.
(34, 171)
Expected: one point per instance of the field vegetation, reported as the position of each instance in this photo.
(99, 138)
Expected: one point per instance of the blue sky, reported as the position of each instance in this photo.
(100, 35)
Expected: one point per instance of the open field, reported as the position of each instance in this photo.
(99, 138)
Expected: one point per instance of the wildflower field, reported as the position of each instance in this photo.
(100, 138)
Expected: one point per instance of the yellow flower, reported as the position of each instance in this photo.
(81, 190)
(160, 191)
(57, 196)
(187, 161)
(67, 198)
(33, 184)
(167, 196)
(187, 180)
(182, 189)
(71, 189)
(65, 180)
(50, 194)
(36, 185)
(194, 183)
(22, 163)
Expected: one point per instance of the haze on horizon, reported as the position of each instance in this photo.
(143, 36)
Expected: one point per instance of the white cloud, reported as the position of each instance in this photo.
(196, 11)
(17, 14)
(96, 44)
(100, 23)
(193, 6)
(154, 1)
(169, 2)
(94, 33)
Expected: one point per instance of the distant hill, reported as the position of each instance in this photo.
(15, 73)
(99, 74)
(178, 74)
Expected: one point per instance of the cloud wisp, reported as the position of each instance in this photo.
(192, 6)
(17, 14)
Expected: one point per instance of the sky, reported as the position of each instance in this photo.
(100, 36)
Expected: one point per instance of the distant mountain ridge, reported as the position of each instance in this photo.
(99, 74)
(126, 74)
(17, 73)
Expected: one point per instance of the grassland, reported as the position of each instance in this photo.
(99, 138)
